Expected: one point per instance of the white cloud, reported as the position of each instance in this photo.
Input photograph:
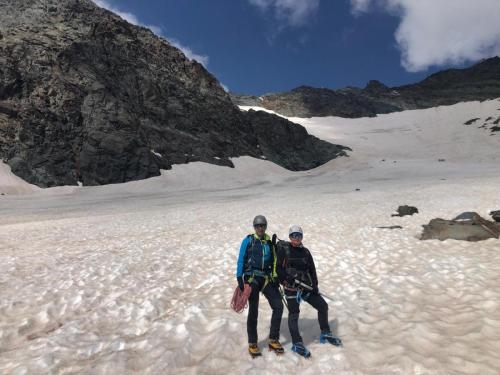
(131, 18)
(292, 12)
(441, 32)
(202, 59)
(360, 6)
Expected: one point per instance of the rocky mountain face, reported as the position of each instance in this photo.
(479, 82)
(86, 96)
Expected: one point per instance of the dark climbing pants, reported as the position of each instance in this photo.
(272, 293)
(316, 301)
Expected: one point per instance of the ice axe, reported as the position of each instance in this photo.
(283, 297)
(310, 288)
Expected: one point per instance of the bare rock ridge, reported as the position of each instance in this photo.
(86, 96)
(479, 82)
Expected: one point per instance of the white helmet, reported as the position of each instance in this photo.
(295, 229)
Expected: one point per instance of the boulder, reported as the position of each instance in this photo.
(495, 215)
(468, 226)
(406, 210)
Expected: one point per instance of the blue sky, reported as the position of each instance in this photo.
(260, 46)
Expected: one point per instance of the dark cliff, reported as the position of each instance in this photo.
(86, 96)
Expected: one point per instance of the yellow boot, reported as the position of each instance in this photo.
(254, 350)
(275, 346)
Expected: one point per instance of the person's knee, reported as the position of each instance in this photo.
(293, 316)
(278, 308)
(323, 306)
(253, 314)
(293, 308)
(277, 305)
(320, 304)
(252, 319)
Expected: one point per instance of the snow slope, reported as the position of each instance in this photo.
(136, 278)
(11, 184)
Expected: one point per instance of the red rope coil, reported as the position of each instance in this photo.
(240, 298)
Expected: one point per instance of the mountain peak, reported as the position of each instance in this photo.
(478, 82)
(375, 86)
(87, 97)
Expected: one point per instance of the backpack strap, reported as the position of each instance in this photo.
(252, 242)
(287, 254)
(250, 245)
(274, 273)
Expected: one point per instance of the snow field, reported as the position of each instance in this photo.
(11, 184)
(136, 278)
(148, 292)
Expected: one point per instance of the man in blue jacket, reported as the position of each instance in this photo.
(257, 267)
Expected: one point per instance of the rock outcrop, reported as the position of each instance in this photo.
(288, 144)
(479, 82)
(468, 226)
(406, 211)
(86, 96)
(495, 215)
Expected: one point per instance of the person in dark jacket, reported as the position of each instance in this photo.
(295, 269)
(257, 267)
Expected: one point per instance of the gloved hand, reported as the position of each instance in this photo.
(315, 289)
(241, 283)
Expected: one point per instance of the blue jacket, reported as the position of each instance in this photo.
(256, 257)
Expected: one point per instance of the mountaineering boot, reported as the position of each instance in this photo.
(254, 350)
(329, 337)
(275, 346)
(300, 349)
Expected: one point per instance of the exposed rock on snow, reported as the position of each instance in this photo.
(468, 226)
(471, 121)
(495, 215)
(406, 210)
(289, 145)
(487, 124)
(391, 227)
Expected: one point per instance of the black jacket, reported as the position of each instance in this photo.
(295, 259)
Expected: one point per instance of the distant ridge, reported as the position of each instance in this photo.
(479, 82)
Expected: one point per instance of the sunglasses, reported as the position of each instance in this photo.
(296, 236)
(260, 226)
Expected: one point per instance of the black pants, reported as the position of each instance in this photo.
(316, 301)
(272, 293)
